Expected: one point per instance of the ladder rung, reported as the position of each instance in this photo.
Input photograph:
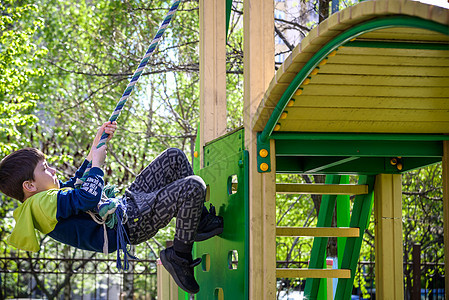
(312, 273)
(321, 189)
(318, 231)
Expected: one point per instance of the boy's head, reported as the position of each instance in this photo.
(24, 173)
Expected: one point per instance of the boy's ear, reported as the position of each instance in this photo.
(29, 186)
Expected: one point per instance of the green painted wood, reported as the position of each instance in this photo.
(343, 218)
(360, 216)
(228, 16)
(226, 159)
(318, 254)
(361, 166)
(359, 148)
(319, 136)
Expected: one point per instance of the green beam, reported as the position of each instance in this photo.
(318, 136)
(361, 213)
(321, 166)
(340, 40)
(318, 254)
(343, 218)
(359, 148)
(398, 45)
(228, 16)
(361, 166)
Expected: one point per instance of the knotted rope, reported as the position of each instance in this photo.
(133, 81)
(122, 238)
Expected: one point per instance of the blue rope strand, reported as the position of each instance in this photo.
(133, 81)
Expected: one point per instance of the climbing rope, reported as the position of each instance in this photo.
(120, 212)
(133, 81)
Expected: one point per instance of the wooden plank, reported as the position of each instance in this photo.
(321, 189)
(366, 114)
(440, 15)
(362, 11)
(384, 70)
(368, 102)
(397, 60)
(388, 7)
(382, 80)
(312, 273)
(318, 231)
(258, 31)
(391, 52)
(378, 91)
(365, 126)
(404, 30)
(212, 71)
(410, 35)
(388, 237)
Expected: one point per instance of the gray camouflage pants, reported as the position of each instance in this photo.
(164, 189)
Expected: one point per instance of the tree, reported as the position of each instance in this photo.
(17, 54)
(93, 50)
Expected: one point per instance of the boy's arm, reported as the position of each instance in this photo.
(71, 202)
(109, 128)
(89, 194)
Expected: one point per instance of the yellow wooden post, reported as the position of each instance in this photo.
(259, 70)
(446, 213)
(212, 71)
(388, 236)
(330, 286)
(166, 287)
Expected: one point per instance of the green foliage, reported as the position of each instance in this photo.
(59, 99)
(18, 51)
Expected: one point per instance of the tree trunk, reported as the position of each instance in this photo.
(323, 10)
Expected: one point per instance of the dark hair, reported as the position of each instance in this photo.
(16, 168)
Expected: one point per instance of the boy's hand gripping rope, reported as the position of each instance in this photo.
(133, 81)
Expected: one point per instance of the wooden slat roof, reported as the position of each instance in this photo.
(393, 79)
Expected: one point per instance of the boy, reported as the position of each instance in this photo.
(164, 189)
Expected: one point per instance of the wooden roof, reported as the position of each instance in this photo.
(391, 75)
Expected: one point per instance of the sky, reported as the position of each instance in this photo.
(443, 3)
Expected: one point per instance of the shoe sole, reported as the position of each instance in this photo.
(168, 266)
(207, 235)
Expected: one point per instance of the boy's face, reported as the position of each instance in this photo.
(45, 177)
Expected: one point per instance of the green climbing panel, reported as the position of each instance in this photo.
(223, 273)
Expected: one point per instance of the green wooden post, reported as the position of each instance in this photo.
(360, 216)
(226, 173)
(343, 216)
(318, 255)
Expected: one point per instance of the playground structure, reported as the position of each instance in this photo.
(366, 93)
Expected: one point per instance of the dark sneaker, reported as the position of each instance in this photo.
(181, 270)
(210, 224)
